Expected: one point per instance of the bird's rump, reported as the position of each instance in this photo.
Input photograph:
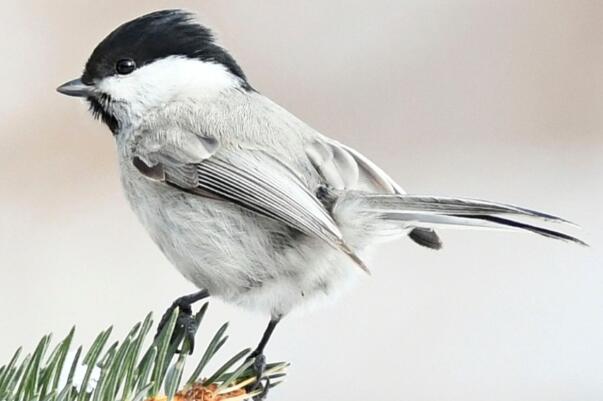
(344, 168)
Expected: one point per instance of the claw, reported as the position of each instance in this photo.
(164, 319)
(265, 388)
(259, 366)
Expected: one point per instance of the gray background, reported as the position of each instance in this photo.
(497, 100)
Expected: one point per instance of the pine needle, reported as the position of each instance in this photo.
(122, 372)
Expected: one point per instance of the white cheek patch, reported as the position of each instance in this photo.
(168, 79)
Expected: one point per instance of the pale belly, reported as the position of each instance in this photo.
(235, 254)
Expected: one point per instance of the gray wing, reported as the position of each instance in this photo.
(344, 168)
(250, 178)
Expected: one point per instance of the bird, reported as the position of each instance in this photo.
(247, 201)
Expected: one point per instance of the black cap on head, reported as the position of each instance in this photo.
(155, 36)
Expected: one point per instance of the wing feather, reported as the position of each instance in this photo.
(251, 179)
(263, 185)
(344, 168)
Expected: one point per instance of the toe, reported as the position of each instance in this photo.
(187, 325)
(265, 387)
(164, 320)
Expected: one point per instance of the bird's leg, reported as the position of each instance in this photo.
(186, 325)
(259, 364)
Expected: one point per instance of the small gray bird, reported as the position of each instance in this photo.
(247, 201)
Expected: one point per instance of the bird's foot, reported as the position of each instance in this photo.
(261, 383)
(186, 325)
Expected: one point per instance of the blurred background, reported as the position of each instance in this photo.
(499, 100)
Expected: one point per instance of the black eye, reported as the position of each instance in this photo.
(125, 66)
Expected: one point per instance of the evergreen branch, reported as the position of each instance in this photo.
(120, 373)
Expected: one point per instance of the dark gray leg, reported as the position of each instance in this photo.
(185, 325)
(259, 364)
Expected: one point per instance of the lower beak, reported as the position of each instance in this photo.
(75, 88)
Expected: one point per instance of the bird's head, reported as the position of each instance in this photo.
(151, 61)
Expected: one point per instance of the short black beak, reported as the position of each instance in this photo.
(75, 88)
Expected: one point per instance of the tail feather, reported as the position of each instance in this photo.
(429, 212)
(448, 205)
(538, 230)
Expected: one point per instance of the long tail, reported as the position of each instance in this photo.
(445, 212)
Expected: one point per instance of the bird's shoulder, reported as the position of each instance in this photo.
(250, 122)
(239, 122)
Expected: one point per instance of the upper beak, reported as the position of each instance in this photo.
(75, 88)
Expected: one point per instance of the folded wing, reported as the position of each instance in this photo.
(251, 179)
